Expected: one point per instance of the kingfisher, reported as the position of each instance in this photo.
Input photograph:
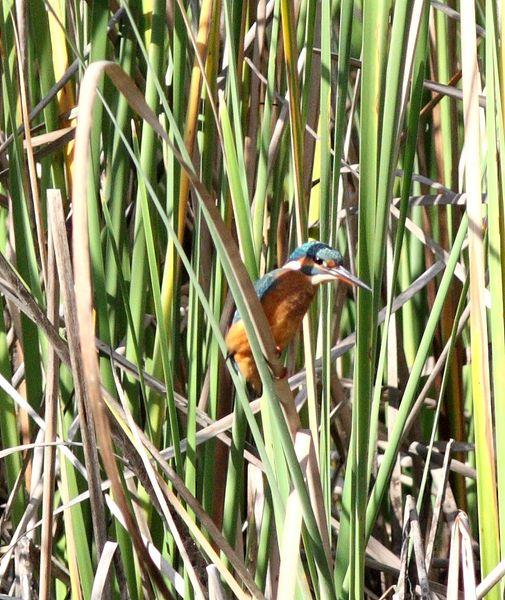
(285, 295)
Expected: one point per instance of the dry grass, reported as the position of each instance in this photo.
(156, 158)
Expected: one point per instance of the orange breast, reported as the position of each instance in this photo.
(238, 345)
(285, 305)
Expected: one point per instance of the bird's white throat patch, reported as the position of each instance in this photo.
(294, 265)
(322, 278)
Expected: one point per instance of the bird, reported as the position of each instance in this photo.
(285, 295)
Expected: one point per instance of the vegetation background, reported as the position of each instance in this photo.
(175, 151)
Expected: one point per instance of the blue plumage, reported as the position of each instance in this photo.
(261, 287)
(316, 251)
(285, 296)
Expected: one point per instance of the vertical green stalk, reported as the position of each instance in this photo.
(447, 144)
(307, 27)
(171, 279)
(155, 414)
(408, 165)
(296, 126)
(234, 478)
(232, 20)
(326, 231)
(480, 368)
(235, 173)
(260, 192)
(115, 193)
(99, 23)
(76, 519)
(495, 168)
(196, 356)
(26, 259)
(195, 353)
(355, 489)
(207, 145)
(148, 147)
(43, 51)
(344, 52)
(8, 419)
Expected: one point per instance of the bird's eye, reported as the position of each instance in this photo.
(319, 261)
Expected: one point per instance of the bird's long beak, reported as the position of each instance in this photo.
(345, 275)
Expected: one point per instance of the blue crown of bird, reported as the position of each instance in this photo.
(286, 294)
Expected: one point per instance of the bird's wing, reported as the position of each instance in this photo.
(266, 283)
(262, 286)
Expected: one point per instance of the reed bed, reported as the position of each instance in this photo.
(158, 157)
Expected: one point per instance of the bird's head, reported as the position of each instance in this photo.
(322, 264)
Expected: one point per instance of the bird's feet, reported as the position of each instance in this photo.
(279, 373)
(283, 373)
